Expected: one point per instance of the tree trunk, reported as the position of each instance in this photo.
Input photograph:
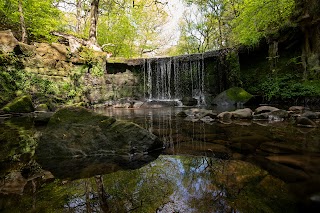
(78, 15)
(220, 34)
(93, 22)
(309, 21)
(273, 54)
(24, 37)
(102, 195)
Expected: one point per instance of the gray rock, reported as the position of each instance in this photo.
(264, 109)
(137, 104)
(242, 113)
(225, 116)
(297, 109)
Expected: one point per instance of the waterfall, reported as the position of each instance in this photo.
(172, 78)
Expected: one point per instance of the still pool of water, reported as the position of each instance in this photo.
(243, 166)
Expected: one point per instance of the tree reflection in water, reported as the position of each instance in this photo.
(181, 184)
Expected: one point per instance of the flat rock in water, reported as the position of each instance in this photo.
(264, 109)
(242, 113)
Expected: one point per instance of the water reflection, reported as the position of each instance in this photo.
(169, 184)
(205, 168)
(284, 150)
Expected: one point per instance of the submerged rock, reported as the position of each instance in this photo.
(159, 104)
(310, 115)
(189, 101)
(305, 122)
(76, 136)
(181, 114)
(21, 104)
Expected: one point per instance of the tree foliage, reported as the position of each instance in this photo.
(41, 17)
(125, 28)
(226, 23)
(258, 19)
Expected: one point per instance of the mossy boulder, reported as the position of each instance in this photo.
(21, 104)
(75, 133)
(232, 96)
(42, 107)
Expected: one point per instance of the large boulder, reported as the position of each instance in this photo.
(232, 96)
(77, 139)
(21, 104)
(7, 41)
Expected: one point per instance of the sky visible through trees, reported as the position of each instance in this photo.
(143, 28)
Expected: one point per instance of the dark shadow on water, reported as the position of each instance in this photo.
(78, 168)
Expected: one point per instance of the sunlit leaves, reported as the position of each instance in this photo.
(258, 19)
(226, 23)
(41, 17)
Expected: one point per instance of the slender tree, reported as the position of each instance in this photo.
(93, 22)
(24, 37)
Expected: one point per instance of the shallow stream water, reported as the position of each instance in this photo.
(241, 166)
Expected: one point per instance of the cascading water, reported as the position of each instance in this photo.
(173, 78)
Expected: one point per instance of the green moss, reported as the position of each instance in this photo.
(42, 107)
(80, 115)
(20, 104)
(238, 94)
